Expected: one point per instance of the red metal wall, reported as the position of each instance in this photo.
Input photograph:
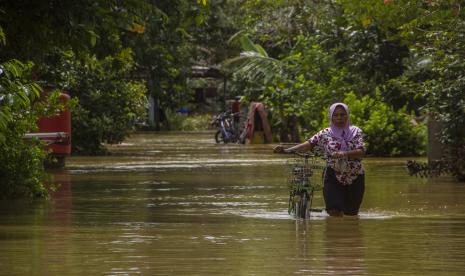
(58, 123)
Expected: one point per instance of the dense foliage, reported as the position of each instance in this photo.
(402, 55)
(183, 122)
(108, 107)
(21, 170)
(432, 81)
(94, 51)
(107, 55)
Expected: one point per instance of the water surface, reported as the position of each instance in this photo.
(179, 204)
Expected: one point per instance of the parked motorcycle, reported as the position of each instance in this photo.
(227, 131)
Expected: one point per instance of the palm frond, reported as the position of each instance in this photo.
(253, 62)
(247, 44)
(261, 50)
(234, 39)
(256, 67)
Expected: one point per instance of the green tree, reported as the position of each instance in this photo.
(21, 103)
(82, 48)
(433, 32)
(110, 43)
(68, 40)
(293, 88)
(164, 51)
(316, 54)
(108, 106)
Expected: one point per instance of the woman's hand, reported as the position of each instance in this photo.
(339, 154)
(279, 149)
(305, 146)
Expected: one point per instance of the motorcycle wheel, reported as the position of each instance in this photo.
(219, 137)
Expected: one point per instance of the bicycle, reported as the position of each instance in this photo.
(227, 130)
(306, 177)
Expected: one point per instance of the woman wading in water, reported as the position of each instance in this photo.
(343, 148)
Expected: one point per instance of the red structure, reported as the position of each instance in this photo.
(257, 129)
(59, 123)
(55, 131)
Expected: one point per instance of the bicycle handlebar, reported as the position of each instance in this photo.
(227, 114)
(301, 153)
(305, 155)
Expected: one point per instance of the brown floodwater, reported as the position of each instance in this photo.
(179, 204)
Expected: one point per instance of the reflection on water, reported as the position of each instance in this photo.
(177, 204)
(344, 246)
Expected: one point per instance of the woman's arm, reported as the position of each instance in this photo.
(305, 146)
(357, 153)
(352, 154)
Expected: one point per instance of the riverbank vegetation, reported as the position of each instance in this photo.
(21, 103)
(397, 63)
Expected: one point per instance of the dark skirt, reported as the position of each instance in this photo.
(342, 198)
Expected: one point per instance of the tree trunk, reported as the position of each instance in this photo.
(435, 147)
(294, 129)
(156, 102)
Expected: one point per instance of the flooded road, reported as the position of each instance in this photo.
(179, 204)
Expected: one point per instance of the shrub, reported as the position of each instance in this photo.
(183, 122)
(386, 131)
(108, 105)
(22, 172)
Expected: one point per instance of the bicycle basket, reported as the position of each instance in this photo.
(306, 171)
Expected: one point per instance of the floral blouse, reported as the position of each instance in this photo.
(326, 144)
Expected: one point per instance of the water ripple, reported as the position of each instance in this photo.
(173, 164)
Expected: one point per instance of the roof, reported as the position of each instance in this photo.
(206, 72)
